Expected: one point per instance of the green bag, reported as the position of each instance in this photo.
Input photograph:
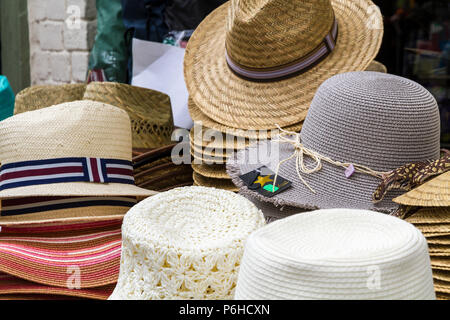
(6, 99)
(110, 52)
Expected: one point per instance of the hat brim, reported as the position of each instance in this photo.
(235, 102)
(332, 189)
(217, 171)
(224, 184)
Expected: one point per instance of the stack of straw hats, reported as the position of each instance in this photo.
(66, 181)
(185, 243)
(149, 110)
(154, 170)
(433, 219)
(336, 254)
(250, 66)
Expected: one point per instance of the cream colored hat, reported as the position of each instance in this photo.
(75, 149)
(185, 243)
(255, 64)
(343, 254)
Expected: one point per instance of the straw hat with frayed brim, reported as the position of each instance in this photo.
(273, 34)
(434, 193)
(73, 130)
(42, 96)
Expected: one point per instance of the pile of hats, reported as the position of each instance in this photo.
(433, 219)
(154, 170)
(245, 80)
(66, 181)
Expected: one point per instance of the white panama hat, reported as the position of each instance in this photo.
(343, 254)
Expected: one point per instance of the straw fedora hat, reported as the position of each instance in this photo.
(360, 124)
(254, 64)
(53, 156)
(195, 237)
(343, 254)
(42, 96)
(433, 193)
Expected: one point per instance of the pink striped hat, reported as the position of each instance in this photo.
(67, 162)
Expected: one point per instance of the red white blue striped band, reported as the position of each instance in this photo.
(36, 172)
(293, 68)
(18, 206)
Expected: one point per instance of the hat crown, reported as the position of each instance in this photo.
(266, 33)
(369, 118)
(73, 129)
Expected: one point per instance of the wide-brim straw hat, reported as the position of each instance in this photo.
(433, 193)
(207, 123)
(195, 237)
(343, 254)
(217, 171)
(225, 184)
(264, 36)
(13, 288)
(42, 96)
(373, 121)
(45, 253)
(43, 151)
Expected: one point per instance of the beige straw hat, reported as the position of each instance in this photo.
(377, 67)
(218, 140)
(288, 48)
(150, 111)
(199, 117)
(432, 215)
(434, 193)
(75, 149)
(224, 184)
(38, 97)
(217, 171)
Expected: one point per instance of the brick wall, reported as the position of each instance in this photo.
(62, 33)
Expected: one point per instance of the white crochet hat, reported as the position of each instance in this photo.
(336, 254)
(186, 243)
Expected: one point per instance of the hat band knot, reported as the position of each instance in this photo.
(48, 171)
(300, 152)
(288, 70)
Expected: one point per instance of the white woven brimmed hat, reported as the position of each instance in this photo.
(74, 149)
(185, 243)
(254, 64)
(336, 254)
(371, 121)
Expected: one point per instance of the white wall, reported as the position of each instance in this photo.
(62, 33)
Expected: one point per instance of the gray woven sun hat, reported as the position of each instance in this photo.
(370, 119)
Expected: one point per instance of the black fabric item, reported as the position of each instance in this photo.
(187, 14)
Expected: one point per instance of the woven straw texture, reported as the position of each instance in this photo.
(42, 96)
(150, 111)
(200, 158)
(373, 119)
(217, 171)
(10, 285)
(434, 193)
(195, 237)
(200, 118)
(73, 129)
(224, 184)
(44, 254)
(377, 67)
(330, 254)
(430, 216)
(215, 139)
(267, 33)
